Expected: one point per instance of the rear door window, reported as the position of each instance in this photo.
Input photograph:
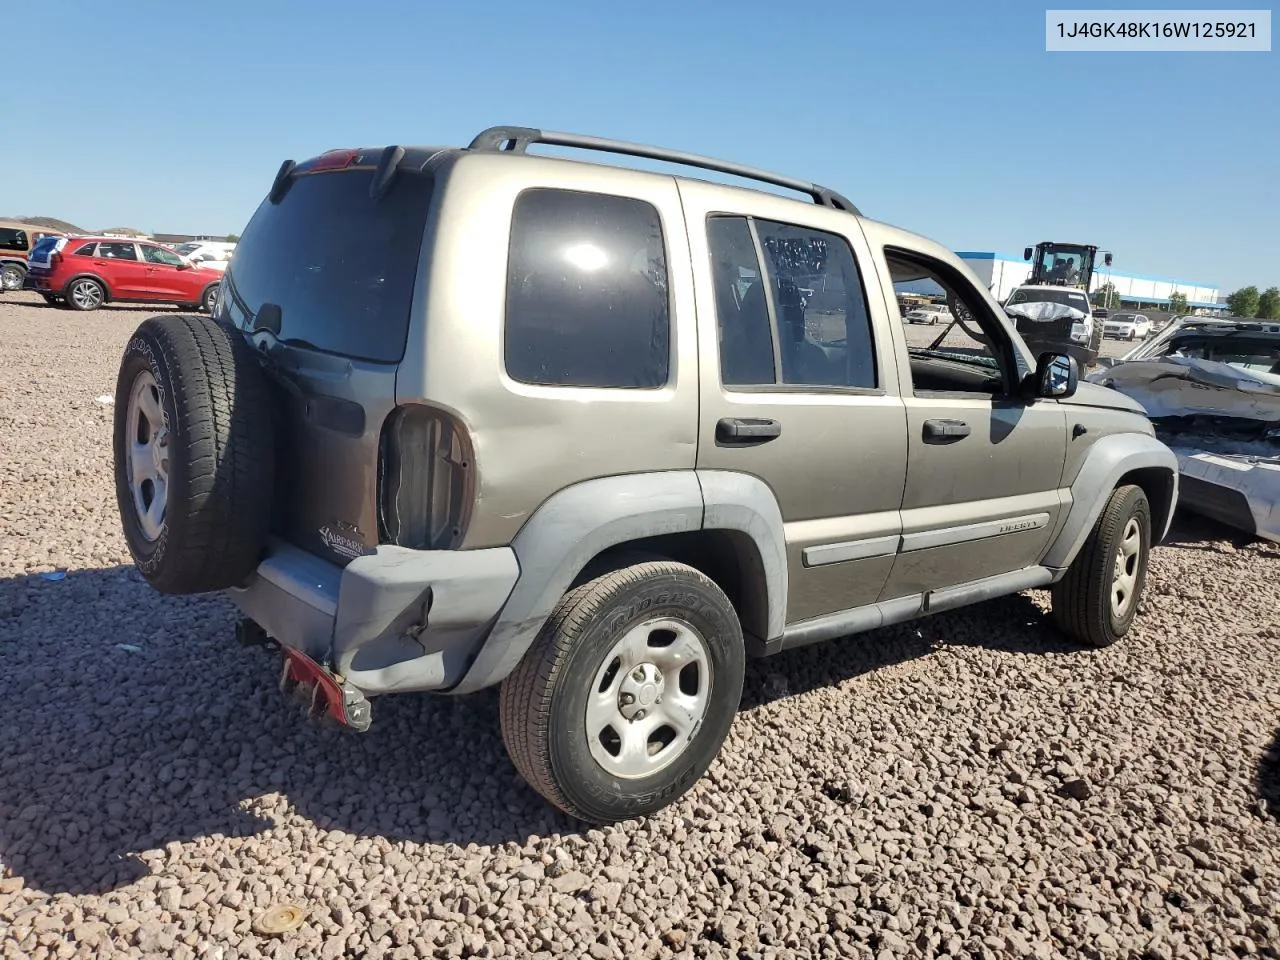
(587, 292)
(801, 321)
(340, 265)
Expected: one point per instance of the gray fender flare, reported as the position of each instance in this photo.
(738, 501)
(582, 520)
(1109, 459)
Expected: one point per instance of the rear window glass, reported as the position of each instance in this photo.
(11, 239)
(340, 266)
(587, 299)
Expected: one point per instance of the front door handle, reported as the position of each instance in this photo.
(741, 431)
(945, 431)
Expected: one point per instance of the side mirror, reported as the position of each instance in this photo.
(184, 265)
(1057, 376)
(1026, 253)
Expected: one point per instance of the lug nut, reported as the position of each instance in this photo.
(638, 674)
(628, 699)
(639, 715)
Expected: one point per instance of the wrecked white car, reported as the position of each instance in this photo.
(1212, 390)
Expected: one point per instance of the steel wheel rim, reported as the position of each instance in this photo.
(649, 698)
(1124, 578)
(211, 300)
(86, 293)
(10, 278)
(147, 455)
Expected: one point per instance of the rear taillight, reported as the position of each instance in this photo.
(425, 480)
(55, 258)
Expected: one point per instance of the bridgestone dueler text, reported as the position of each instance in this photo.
(217, 411)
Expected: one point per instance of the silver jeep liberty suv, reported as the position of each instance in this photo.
(476, 416)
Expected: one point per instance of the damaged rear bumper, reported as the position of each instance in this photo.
(395, 620)
(1239, 490)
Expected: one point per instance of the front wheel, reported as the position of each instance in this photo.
(209, 301)
(1097, 600)
(628, 692)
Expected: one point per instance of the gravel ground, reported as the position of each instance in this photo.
(968, 786)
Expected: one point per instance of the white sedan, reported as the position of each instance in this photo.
(1127, 326)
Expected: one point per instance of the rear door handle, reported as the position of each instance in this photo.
(739, 431)
(945, 430)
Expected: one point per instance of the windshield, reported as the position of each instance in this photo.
(1123, 318)
(186, 249)
(1261, 354)
(1070, 298)
(340, 266)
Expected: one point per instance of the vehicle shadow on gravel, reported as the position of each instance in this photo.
(134, 720)
(1012, 624)
(1191, 531)
(1269, 778)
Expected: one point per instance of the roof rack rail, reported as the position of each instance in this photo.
(518, 139)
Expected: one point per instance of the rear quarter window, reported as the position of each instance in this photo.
(11, 239)
(588, 301)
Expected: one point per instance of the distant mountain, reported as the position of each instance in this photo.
(53, 223)
(62, 226)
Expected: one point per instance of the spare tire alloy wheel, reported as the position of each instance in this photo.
(11, 277)
(148, 457)
(194, 458)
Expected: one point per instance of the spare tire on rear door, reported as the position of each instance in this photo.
(193, 453)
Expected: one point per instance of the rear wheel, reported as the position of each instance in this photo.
(1097, 600)
(209, 301)
(193, 454)
(85, 293)
(628, 692)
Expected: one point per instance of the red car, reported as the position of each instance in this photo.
(86, 272)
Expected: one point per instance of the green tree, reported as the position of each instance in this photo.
(233, 238)
(1106, 296)
(1178, 302)
(1269, 304)
(1244, 302)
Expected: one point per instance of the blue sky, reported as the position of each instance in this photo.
(946, 118)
